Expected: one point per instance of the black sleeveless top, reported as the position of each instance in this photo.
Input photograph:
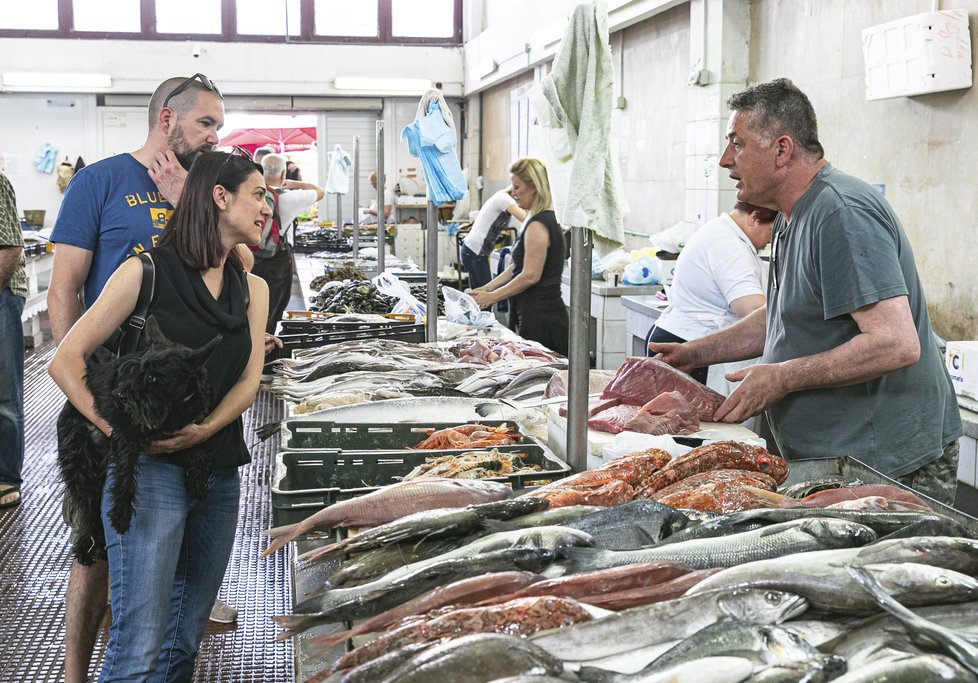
(553, 267)
(187, 313)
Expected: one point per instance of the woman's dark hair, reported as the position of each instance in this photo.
(764, 215)
(193, 226)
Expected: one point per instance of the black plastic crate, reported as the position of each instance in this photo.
(319, 435)
(306, 482)
(311, 340)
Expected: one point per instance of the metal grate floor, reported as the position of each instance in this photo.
(34, 560)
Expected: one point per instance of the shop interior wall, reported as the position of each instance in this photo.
(497, 133)
(922, 148)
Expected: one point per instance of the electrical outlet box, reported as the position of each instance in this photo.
(923, 53)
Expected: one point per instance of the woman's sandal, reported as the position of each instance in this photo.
(9, 497)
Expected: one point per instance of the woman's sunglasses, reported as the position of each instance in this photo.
(204, 81)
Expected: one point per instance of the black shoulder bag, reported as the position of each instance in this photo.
(132, 329)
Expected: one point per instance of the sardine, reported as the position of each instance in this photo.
(476, 659)
(390, 503)
(728, 551)
(679, 618)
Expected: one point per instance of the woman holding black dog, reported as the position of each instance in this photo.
(167, 568)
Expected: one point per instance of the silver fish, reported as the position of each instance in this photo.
(389, 503)
(815, 670)
(728, 551)
(909, 668)
(476, 659)
(827, 585)
(763, 644)
(958, 645)
(628, 630)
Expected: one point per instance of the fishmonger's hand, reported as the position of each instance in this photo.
(680, 356)
(761, 386)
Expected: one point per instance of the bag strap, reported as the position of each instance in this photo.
(133, 327)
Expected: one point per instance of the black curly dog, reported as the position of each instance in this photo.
(144, 395)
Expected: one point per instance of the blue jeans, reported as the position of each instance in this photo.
(11, 387)
(477, 267)
(165, 572)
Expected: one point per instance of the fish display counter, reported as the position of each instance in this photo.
(565, 580)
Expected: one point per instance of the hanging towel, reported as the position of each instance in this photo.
(573, 105)
(431, 138)
(338, 178)
(45, 158)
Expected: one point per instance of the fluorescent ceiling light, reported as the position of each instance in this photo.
(413, 85)
(56, 81)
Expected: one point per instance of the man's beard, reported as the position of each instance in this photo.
(184, 153)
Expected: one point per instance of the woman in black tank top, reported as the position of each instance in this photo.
(532, 282)
(166, 569)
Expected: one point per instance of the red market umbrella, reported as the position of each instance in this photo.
(281, 139)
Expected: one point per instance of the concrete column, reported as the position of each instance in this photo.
(719, 32)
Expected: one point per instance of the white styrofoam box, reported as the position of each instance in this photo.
(961, 358)
(612, 336)
(409, 242)
(923, 53)
(967, 460)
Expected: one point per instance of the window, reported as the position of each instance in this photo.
(264, 18)
(423, 18)
(37, 15)
(346, 18)
(109, 16)
(431, 22)
(188, 16)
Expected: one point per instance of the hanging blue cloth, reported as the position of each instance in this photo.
(432, 140)
(44, 160)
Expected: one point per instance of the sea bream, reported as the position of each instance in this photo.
(390, 503)
(676, 619)
(727, 551)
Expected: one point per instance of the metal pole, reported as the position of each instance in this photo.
(356, 197)
(579, 356)
(381, 220)
(431, 267)
(339, 212)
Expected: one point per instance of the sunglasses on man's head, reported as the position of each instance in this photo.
(241, 152)
(204, 81)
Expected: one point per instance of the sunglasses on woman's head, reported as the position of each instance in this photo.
(204, 81)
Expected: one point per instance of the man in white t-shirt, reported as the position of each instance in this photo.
(481, 238)
(719, 278)
(274, 263)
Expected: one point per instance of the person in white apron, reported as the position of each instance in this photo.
(719, 278)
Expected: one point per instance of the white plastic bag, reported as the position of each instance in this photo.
(631, 442)
(406, 302)
(462, 309)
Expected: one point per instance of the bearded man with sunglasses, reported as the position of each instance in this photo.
(112, 209)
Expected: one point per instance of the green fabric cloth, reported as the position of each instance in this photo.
(576, 116)
(11, 235)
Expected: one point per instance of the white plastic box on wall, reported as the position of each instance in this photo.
(923, 53)
(961, 358)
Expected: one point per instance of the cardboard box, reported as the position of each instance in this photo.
(961, 358)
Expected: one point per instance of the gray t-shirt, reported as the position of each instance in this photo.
(845, 249)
